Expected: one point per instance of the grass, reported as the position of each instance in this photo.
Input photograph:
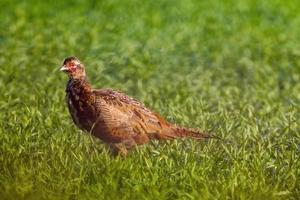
(227, 67)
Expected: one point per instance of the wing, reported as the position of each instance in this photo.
(125, 116)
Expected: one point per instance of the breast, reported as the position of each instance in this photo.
(74, 113)
(82, 112)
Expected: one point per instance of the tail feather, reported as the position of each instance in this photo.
(185, 132)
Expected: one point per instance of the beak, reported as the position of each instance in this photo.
(64, 69)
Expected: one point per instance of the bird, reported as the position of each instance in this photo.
(118, 120)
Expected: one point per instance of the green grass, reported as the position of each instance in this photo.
(227, 67)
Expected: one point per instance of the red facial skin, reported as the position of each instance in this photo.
(71, 67)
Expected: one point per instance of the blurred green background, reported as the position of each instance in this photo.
(227, 67)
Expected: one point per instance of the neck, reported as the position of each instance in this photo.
(80, 77)
(80, 83)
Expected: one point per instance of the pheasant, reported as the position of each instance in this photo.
(114, 117)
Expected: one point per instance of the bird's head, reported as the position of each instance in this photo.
(73, 67)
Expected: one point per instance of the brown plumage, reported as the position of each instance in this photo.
(114, 117)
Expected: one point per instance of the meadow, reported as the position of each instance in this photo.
(231, 68)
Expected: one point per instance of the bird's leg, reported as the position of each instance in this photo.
(118, 149)
(122, 148)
